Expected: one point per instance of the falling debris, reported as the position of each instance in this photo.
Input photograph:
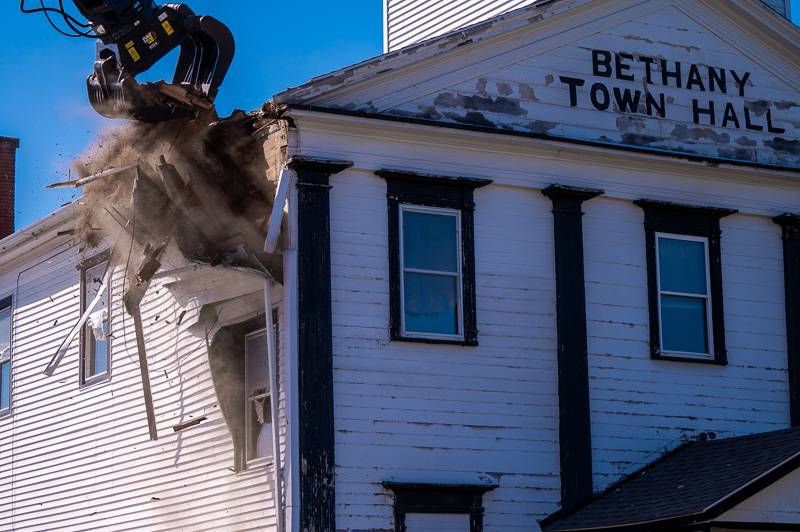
(203, 184)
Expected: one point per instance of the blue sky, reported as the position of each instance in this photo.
(43, 90)
(43, 95)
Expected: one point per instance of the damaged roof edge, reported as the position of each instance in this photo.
(24, 240)
(422, 50)
(707, 160)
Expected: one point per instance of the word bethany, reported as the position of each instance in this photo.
(670, 74)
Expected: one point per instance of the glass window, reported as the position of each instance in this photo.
(258, 413)
(684, 299)
(431, 271)
(96, 333)
(5, 356)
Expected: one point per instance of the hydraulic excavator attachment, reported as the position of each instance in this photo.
(132, 36)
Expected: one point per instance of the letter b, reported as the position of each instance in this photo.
(601, 63)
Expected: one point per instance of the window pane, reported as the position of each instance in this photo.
(684, 324)
(5, 332)
(431, 303)
(259, 413)
(683, 266)
(5, 385)
(259, 428)
(437, 522)
(429, 241)
(256, 369)
(97, 328)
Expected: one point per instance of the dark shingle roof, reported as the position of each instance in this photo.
(695, 483)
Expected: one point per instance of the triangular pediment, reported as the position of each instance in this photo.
(694, 77)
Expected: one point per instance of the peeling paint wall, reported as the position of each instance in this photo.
(442, 414)
(651, 82)
(663, 76)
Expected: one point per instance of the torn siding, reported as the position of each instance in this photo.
(80, 457)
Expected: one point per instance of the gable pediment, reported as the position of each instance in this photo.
(667, 75)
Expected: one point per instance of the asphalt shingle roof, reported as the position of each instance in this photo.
(698, 481)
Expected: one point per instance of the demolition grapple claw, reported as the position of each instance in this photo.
(133, 36)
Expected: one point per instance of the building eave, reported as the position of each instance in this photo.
(40, 232)
(706, 161)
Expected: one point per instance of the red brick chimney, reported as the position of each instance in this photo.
(8, 155)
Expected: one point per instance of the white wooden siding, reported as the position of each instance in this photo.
(80, 459)
(642, 407)
(416, 412)
(778, 503)
(411, 21)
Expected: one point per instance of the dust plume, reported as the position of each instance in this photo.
(202, 182)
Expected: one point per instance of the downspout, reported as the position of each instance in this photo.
(282, 193)
(272, 362)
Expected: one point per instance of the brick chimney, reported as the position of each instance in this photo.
(8, 155)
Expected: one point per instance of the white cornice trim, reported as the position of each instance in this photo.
(313, 123)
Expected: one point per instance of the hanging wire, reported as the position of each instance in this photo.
(74, 27)
(73, 23)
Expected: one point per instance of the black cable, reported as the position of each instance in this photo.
(59, 30)
(67, 17)
(51, 10)
(73, 27)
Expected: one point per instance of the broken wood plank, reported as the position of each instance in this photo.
(145, 372)
(94, 177)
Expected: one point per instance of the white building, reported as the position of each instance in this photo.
(542, 272)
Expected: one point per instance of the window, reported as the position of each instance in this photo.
(432, 257)
(6, 317)
(258, 397)
(96, 334)
(438, 508)
(684, 269)
(684, 297)
(431, 282)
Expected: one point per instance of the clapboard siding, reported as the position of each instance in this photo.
(79, 459)
(411, 21)
(642, 406)
(416, 412)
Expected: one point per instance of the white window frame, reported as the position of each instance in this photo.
(7, 358)
(709, 354)
(251, 463)
(440, 211)
(106, 375)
